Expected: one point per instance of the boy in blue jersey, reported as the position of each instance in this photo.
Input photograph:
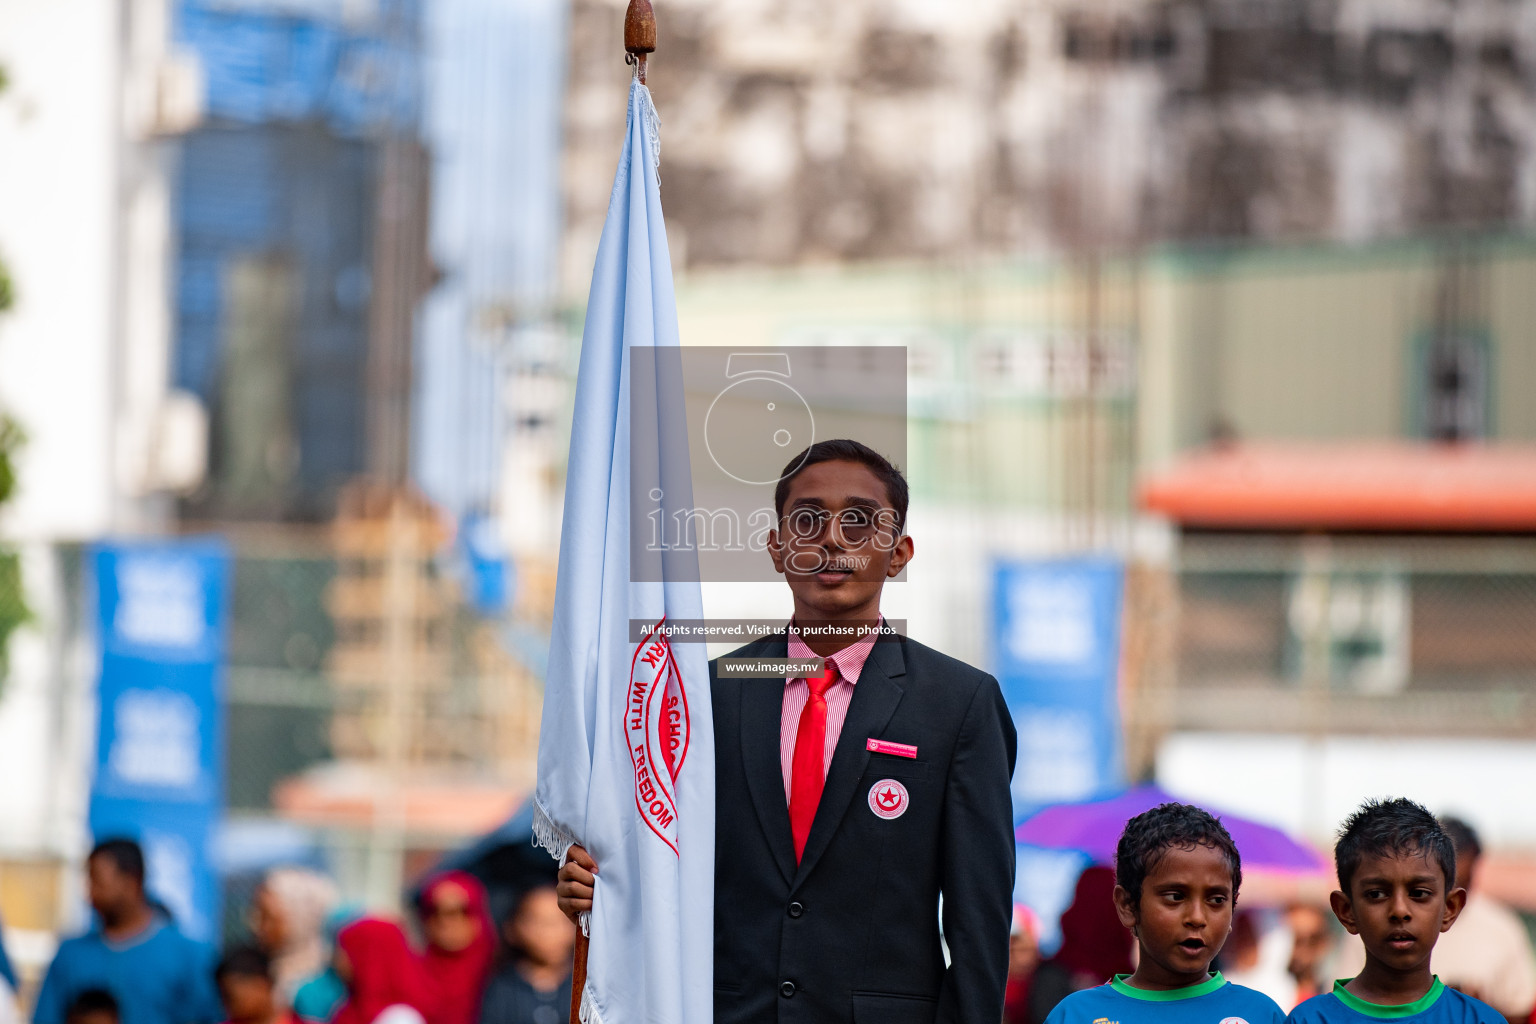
(1397, 891)
(1177, 873)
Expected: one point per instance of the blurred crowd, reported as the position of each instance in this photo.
(1288, 953)
(310, 959)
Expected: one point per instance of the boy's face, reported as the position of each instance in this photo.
(836, 564)
(91, 1017)
(1183, 916)
(247, 997)
(1398, 905)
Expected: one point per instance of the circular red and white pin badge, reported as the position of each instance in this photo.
(888, 799)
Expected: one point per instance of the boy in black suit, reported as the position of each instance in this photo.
(848, 803)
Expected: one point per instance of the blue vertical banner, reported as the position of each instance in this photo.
(162, 621)
(1057, 633)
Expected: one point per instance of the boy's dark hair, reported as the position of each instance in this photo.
(1151, 834)
(1463, 837)
(1383, 828)
(244, 961)
(125, 854)
(92, 1000)
(845, 450)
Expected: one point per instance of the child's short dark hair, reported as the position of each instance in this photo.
(245, 962)
(92, 1000)
(845, 450)
(1394, 827)
(1151, 834)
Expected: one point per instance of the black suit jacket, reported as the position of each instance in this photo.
(851, 933)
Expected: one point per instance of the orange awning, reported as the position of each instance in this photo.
(349, 795)
(1351, 486)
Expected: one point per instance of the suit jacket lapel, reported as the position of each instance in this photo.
(762, 709)
(875, 697)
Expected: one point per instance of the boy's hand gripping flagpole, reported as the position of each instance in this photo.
(626, 747)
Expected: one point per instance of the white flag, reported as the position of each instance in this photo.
(626, 752)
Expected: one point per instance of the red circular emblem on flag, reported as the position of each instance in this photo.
(888, 799)
(656, 724)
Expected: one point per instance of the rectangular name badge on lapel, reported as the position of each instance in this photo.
(887, 747)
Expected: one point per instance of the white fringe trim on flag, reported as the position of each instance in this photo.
(588, 1012)
(549, 836)
(652, 128)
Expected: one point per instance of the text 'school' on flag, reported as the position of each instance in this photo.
(626, 751)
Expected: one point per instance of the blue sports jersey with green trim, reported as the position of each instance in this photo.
(1214, 1001)
(1440, 1005)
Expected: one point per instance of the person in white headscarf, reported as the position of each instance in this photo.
(288, 919)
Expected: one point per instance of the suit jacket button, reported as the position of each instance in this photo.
(796, 909)
(787, 990)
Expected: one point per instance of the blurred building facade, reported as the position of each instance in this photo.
(1117, 237)
(491, 388)
(96, 95)
(221, 238)
(356, 302)
(1356, 576)
(907, 131)
(300, 213)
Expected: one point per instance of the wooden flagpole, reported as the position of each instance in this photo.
(578, 975)
(639, 34)
(639, 40)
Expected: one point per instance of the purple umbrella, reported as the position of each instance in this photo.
(1094, 828)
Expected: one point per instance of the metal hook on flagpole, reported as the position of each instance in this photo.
(639, 35)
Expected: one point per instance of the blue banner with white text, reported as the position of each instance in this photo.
(1057, 653)
(162, 621)
(1056, 633)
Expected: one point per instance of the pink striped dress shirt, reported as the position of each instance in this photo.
(850, 662)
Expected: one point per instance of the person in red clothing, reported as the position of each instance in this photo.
(247, 988)
(1023, 958)
(461, 944)
(386, 983)
(1095, 946)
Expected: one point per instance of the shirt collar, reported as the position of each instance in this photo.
(1121, 983)
(850, 660)
(1384, 1011)
(138, 938)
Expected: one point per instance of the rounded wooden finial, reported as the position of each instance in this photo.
(640, 27)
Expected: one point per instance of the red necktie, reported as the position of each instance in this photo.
(808, 769)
